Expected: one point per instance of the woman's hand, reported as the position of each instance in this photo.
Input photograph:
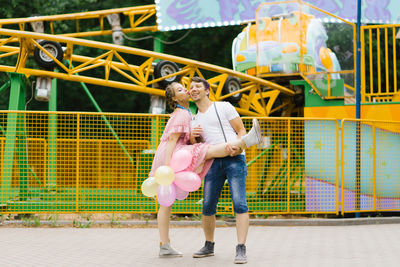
(233, 150)
(195, 133)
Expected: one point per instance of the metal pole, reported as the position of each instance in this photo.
(358, 62)
(52, 138)
(5, 86)
(358, 109)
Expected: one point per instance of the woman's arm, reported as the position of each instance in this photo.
(171, 144)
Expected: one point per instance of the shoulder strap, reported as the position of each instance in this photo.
(222, 128)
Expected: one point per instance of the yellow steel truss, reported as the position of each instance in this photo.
(138, 16)
(114, 59)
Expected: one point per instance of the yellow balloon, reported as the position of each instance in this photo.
(326, 58)
(150, 187)
(164, 175)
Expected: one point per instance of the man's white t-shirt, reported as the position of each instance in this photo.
(208, 120)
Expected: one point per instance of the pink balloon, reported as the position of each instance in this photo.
(187, 181)
(166, 195)
(180, 194)
(180, 160)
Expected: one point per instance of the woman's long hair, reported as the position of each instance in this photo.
(169, 94)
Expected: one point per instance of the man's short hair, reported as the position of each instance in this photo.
(197, 79)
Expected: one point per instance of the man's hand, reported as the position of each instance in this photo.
(196, 132)
(233, 150)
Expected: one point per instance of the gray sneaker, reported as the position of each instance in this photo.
(166, 251)
(206, 251)
(240, 254)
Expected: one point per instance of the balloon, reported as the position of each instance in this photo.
(180, 194)
(187, 181)
(164, 175)
(180, 160)
(149, 187)
(166, 195)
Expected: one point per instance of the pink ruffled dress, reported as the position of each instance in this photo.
(179, 122)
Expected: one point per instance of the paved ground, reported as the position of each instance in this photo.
(357, 245)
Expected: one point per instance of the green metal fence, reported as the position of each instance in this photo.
(63, 162)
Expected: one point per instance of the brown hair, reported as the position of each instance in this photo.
(197, 79)
(169, 94)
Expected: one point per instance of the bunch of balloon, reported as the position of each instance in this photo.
(174, 181)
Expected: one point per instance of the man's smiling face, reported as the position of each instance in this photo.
(197, 91)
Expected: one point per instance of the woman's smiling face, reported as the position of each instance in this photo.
(181, 94)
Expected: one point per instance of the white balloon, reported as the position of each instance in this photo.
(164, 175)
(150, 187)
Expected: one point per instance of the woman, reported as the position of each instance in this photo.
(175, 137)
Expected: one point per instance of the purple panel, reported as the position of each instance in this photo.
(198, 14)
(321, 196)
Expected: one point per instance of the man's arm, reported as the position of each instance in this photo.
(237, 125)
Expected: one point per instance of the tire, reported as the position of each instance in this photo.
(43, 60)
(164, 68)
(232, 84)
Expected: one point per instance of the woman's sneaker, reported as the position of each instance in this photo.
(166, 251)
(254, 135)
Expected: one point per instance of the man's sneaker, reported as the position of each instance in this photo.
(206, 251)
(240, 254)
(166, 251)
(254, 135)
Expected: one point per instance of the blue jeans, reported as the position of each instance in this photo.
(234, 169)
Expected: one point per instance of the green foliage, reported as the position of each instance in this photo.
(115, 221)
(53, 219)
(22, 8)
(210, 45)
(79, 224)
(340, 41)
(31, 220)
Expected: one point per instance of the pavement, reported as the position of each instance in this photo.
(372, 243)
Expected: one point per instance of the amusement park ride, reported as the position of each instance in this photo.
(282, 66)
(277, 59)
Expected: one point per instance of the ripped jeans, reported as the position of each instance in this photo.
(234, 169)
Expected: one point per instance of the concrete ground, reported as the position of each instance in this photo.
(305, 245)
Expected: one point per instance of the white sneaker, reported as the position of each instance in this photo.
(166, 251)
(254, 135)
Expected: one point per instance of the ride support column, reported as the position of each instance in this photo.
(15, 141)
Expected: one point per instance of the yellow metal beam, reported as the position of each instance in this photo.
(137, 17)
(115, 58)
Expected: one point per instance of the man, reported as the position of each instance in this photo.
(211, 118)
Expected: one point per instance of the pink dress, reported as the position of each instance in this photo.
(179, 122)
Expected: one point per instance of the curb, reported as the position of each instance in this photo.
(324, 222)
(253, 222)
